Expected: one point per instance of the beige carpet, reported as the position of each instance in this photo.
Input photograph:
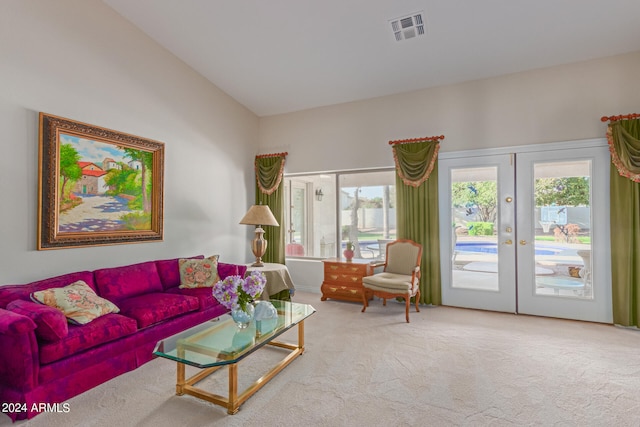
(447, 367)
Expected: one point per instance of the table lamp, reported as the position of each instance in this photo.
(259, 215)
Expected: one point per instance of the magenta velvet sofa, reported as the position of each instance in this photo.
(46, 361)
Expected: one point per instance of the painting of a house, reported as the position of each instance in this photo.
(108, 163)
(104, 186)
(92, 181)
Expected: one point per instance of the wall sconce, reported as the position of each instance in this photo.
(319, 194)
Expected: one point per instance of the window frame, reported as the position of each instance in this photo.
(311, 197)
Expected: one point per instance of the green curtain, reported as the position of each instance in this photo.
(269, 191)
(417, 210)
(624, 144)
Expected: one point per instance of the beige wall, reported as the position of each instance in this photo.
(548, 105)
(81, 60)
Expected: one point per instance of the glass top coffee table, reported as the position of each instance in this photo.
(219, 342)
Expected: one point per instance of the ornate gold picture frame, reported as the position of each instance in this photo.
(97, 186)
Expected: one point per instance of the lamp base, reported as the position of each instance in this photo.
(259, 247)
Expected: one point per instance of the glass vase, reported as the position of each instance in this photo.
(242, 317)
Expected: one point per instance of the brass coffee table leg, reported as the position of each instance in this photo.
(233, 405)
(301, 336)
(180, 382)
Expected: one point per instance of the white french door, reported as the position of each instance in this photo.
(565, 192)
(478, 254)
(529, 231)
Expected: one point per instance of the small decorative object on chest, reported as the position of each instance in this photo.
(348, 252)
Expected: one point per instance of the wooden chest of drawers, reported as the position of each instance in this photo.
(343, 280)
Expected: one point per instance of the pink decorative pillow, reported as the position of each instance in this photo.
(51, 322)
(169, 271)
(198, 273)
(119, 283)
(77, 301)
(225, 270)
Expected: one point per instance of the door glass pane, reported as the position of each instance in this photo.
(474, 203)
(563, 229)
(311, 216)
(367, 212)
(298, 204)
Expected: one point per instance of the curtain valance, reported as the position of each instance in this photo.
(625, 148)
(415, 160)
(269, 170)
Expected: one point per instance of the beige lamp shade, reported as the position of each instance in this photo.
(259, 215)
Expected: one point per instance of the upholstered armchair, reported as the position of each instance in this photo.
(400, 277)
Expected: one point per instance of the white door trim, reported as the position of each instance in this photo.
(564, 145)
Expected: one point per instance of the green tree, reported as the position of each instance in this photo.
(123, 181)
(69, 168)
(146, 161)
(481, 195)
(571, 191)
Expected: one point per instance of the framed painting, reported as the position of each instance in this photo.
(97, 186)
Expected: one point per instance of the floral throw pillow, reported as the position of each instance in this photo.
(77, 301)
(198, 273)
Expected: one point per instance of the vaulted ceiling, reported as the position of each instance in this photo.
(279, 56)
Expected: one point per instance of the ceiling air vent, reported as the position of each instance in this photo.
(408, 27)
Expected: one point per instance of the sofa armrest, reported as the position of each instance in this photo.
(19, 358)
(225, 270)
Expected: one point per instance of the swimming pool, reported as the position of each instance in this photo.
(492, 248)
(468, 247)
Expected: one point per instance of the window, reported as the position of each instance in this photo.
(310, 215)
(324, 211)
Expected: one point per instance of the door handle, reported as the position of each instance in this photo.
(523, 242)
(508, 242)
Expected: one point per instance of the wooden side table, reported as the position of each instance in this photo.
(343, 280)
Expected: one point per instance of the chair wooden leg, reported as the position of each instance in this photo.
(365, 303)
(407, 301)
(384, 302)
(417, 298)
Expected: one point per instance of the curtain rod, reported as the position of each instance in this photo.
(622, 117)
(406, 141)
(260, 156)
